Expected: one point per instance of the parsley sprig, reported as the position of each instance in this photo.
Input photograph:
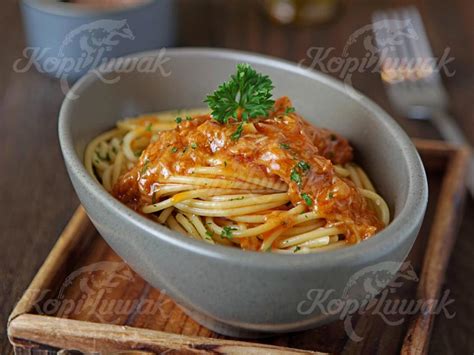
(238, 132)
(246, 95)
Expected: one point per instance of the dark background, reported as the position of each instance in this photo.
(37, 199)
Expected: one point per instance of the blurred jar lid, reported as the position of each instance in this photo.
(85, 7)
(106, 4)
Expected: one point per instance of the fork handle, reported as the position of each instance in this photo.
(450, 131)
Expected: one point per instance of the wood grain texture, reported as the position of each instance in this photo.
(36, 197)
(438, 251)
(74, 238)
(92, 337)
(97, 302)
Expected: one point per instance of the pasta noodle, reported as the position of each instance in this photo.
(222, 202)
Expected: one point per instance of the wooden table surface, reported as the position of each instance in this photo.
(37, 199)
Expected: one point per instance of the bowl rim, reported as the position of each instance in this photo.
(65, 9)
(396, 233)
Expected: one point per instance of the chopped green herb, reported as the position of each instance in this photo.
(289, 110)
(189, 118)
(297, 248)
(237, 198)
(295, 176)
(284, 146)
(227, 232)
(247, 93)
(209, 235)
(304, 166)
(238, 132)
(194, 145)
(148, 127)
(145, 167)
(330, 195)
(307, 199)
(179, 120)
(174, 150)
(137, 154)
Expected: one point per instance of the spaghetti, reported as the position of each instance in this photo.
(283, 185)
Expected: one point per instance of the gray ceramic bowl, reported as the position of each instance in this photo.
(66, 40)
(234, 292)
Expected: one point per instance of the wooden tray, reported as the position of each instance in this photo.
(73, 302)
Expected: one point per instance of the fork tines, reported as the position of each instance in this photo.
(403, 45)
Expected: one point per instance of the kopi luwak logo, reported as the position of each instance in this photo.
(86, 47)
(94, 41)
(373, 291)
(379, 41)
(93, 295)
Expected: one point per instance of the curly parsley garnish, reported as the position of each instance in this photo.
(246, 95)
(238, 132)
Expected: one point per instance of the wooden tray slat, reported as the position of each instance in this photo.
(89, 336)
(439, 247)
(82, 268)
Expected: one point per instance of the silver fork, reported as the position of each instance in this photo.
(410, 75)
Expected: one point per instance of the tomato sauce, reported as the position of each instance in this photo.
(282, 145)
